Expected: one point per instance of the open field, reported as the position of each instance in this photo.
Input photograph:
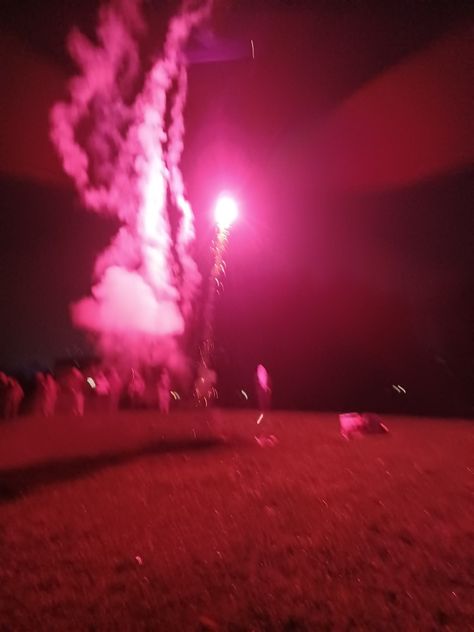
(136, 522)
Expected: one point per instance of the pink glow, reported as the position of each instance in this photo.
(123, 149)
(262, 377)
(226, 212)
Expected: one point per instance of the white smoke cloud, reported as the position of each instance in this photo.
(124, 302)
(124, 159)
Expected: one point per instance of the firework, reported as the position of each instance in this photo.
(225, 214)
(121, 141)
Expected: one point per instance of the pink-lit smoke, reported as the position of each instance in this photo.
(120, 137)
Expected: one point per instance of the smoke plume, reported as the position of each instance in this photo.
(120, 137)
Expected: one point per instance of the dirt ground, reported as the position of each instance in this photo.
(136, 522)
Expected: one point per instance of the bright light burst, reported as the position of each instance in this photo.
(226, 212)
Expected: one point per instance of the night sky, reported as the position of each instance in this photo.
(349, 142)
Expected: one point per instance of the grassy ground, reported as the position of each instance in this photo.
(140, 523)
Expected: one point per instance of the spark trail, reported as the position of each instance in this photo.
(225, 214)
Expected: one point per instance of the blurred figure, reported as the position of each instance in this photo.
(73, 382)
(136, 389)
(264, 399)
(164, 394)
(40, 392)
(102, 384)
(102, 390)
(51, 395)
(13, 397)
(46, 394)
(115, 385)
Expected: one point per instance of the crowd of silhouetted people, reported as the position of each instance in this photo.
(72, 391)
(103, 389)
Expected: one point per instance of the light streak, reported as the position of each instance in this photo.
(225, 214)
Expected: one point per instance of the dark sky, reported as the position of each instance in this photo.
(349, 141)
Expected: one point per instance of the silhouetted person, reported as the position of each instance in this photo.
(46, 393)
(102, 390)
(115, 384)
(13, 397)
(164, 395)
(51, 395)
(136, 389)
(263, 389)
(73, 383)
